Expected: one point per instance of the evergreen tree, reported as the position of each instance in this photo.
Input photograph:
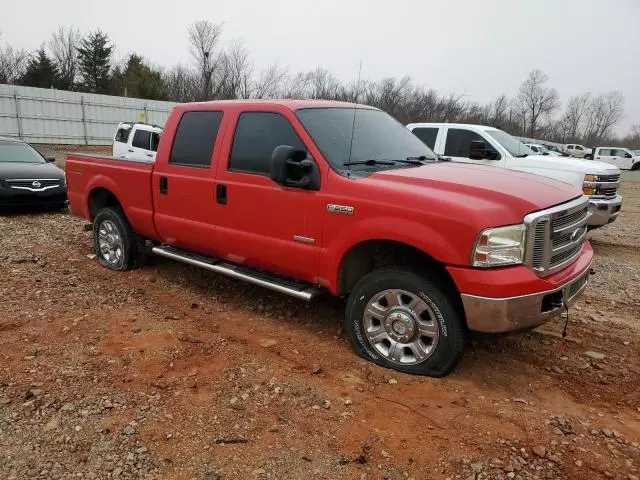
(138, 80)
(94, 59)
(40, 72)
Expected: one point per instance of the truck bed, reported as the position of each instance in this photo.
(129, 180)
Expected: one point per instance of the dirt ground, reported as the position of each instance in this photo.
(173, 372)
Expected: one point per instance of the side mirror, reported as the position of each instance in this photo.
(478, 151)
(50, 159)
(628, 155)
(292, 168)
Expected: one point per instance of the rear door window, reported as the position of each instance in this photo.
(428, 135)
(195, 138)
(122, 135)
(142, 139)
(257, 134)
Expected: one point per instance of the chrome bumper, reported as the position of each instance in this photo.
(497, 315)
(603, 211)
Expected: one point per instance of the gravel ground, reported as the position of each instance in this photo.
(172, 372)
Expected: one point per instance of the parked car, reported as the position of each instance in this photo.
(484, 145)
(554, 149)
(310, 196)
(29, 179)
(578, 151)
(622, 158)
(540, 149)
(137, 141)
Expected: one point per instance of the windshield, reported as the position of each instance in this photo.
(19, 153)
(512, 145)
(376, 136)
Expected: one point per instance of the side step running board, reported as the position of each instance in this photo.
(294, 288)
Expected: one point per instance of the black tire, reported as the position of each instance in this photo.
(636, 167)
(451, 341)
(131, 252)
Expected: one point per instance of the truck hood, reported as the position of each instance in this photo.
(567, 164)
(29, 171)
(478, 186)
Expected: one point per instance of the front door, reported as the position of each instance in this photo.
(457, 145)
(184, 184)
(265, 225)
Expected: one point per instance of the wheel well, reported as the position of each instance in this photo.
(100, 198)
(367, 256)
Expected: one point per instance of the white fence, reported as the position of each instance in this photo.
(40, 115)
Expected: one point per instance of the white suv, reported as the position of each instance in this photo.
(489, 146)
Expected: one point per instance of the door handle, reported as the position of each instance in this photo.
(130, 151)
(164, 185)
(221, 194)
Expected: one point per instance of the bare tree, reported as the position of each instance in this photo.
(499, 110)
(235, 81)
(182, 84)
(536, 100)
(605, 111)
(204, 37)
(272, 81)
(12, 63)
(64, 45)
(572, 122)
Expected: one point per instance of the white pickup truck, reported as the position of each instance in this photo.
(622, 158)
(490, 146)
(136, 141)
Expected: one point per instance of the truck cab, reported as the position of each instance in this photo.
(483, 145)
(136, 141)
(623, 158)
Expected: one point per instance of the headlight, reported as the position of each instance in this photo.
(499, 246)
(588, 186)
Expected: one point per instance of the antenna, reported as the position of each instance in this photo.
(355, 107)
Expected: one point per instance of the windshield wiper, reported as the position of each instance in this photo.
(370, 162)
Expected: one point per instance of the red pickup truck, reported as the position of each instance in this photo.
(310, 196)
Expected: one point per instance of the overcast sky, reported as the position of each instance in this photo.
(479, 48)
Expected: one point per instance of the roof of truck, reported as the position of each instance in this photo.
(288, 103)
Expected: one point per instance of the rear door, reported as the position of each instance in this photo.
(120, 141)
(457, 143)
(184, 183)
(621, 158)
(140, 145)
(265, 225)
(428, 135)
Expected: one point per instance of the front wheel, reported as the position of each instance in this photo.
(403, 320)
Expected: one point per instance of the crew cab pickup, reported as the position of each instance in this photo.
(136, 140)
(306, 197)
(622, 158)
(484, 145)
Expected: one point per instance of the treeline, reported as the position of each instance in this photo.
(86, 63)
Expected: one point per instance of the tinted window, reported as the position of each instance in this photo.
(142, 139)
(122, 135)
(427, 135)
(578, 147)
(569, 147)
(257, 134)
(459, 142)
(195, 138)
(155, 139)
(605, 152)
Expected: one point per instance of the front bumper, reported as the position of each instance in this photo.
(603, 211)
(53, 197)
(525, 310)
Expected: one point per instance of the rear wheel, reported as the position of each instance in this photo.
(400, 319)
(114, 241)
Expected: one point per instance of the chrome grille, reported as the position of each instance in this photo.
(555, 235)
(607, 192)
(609, 178)
(29, 183)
